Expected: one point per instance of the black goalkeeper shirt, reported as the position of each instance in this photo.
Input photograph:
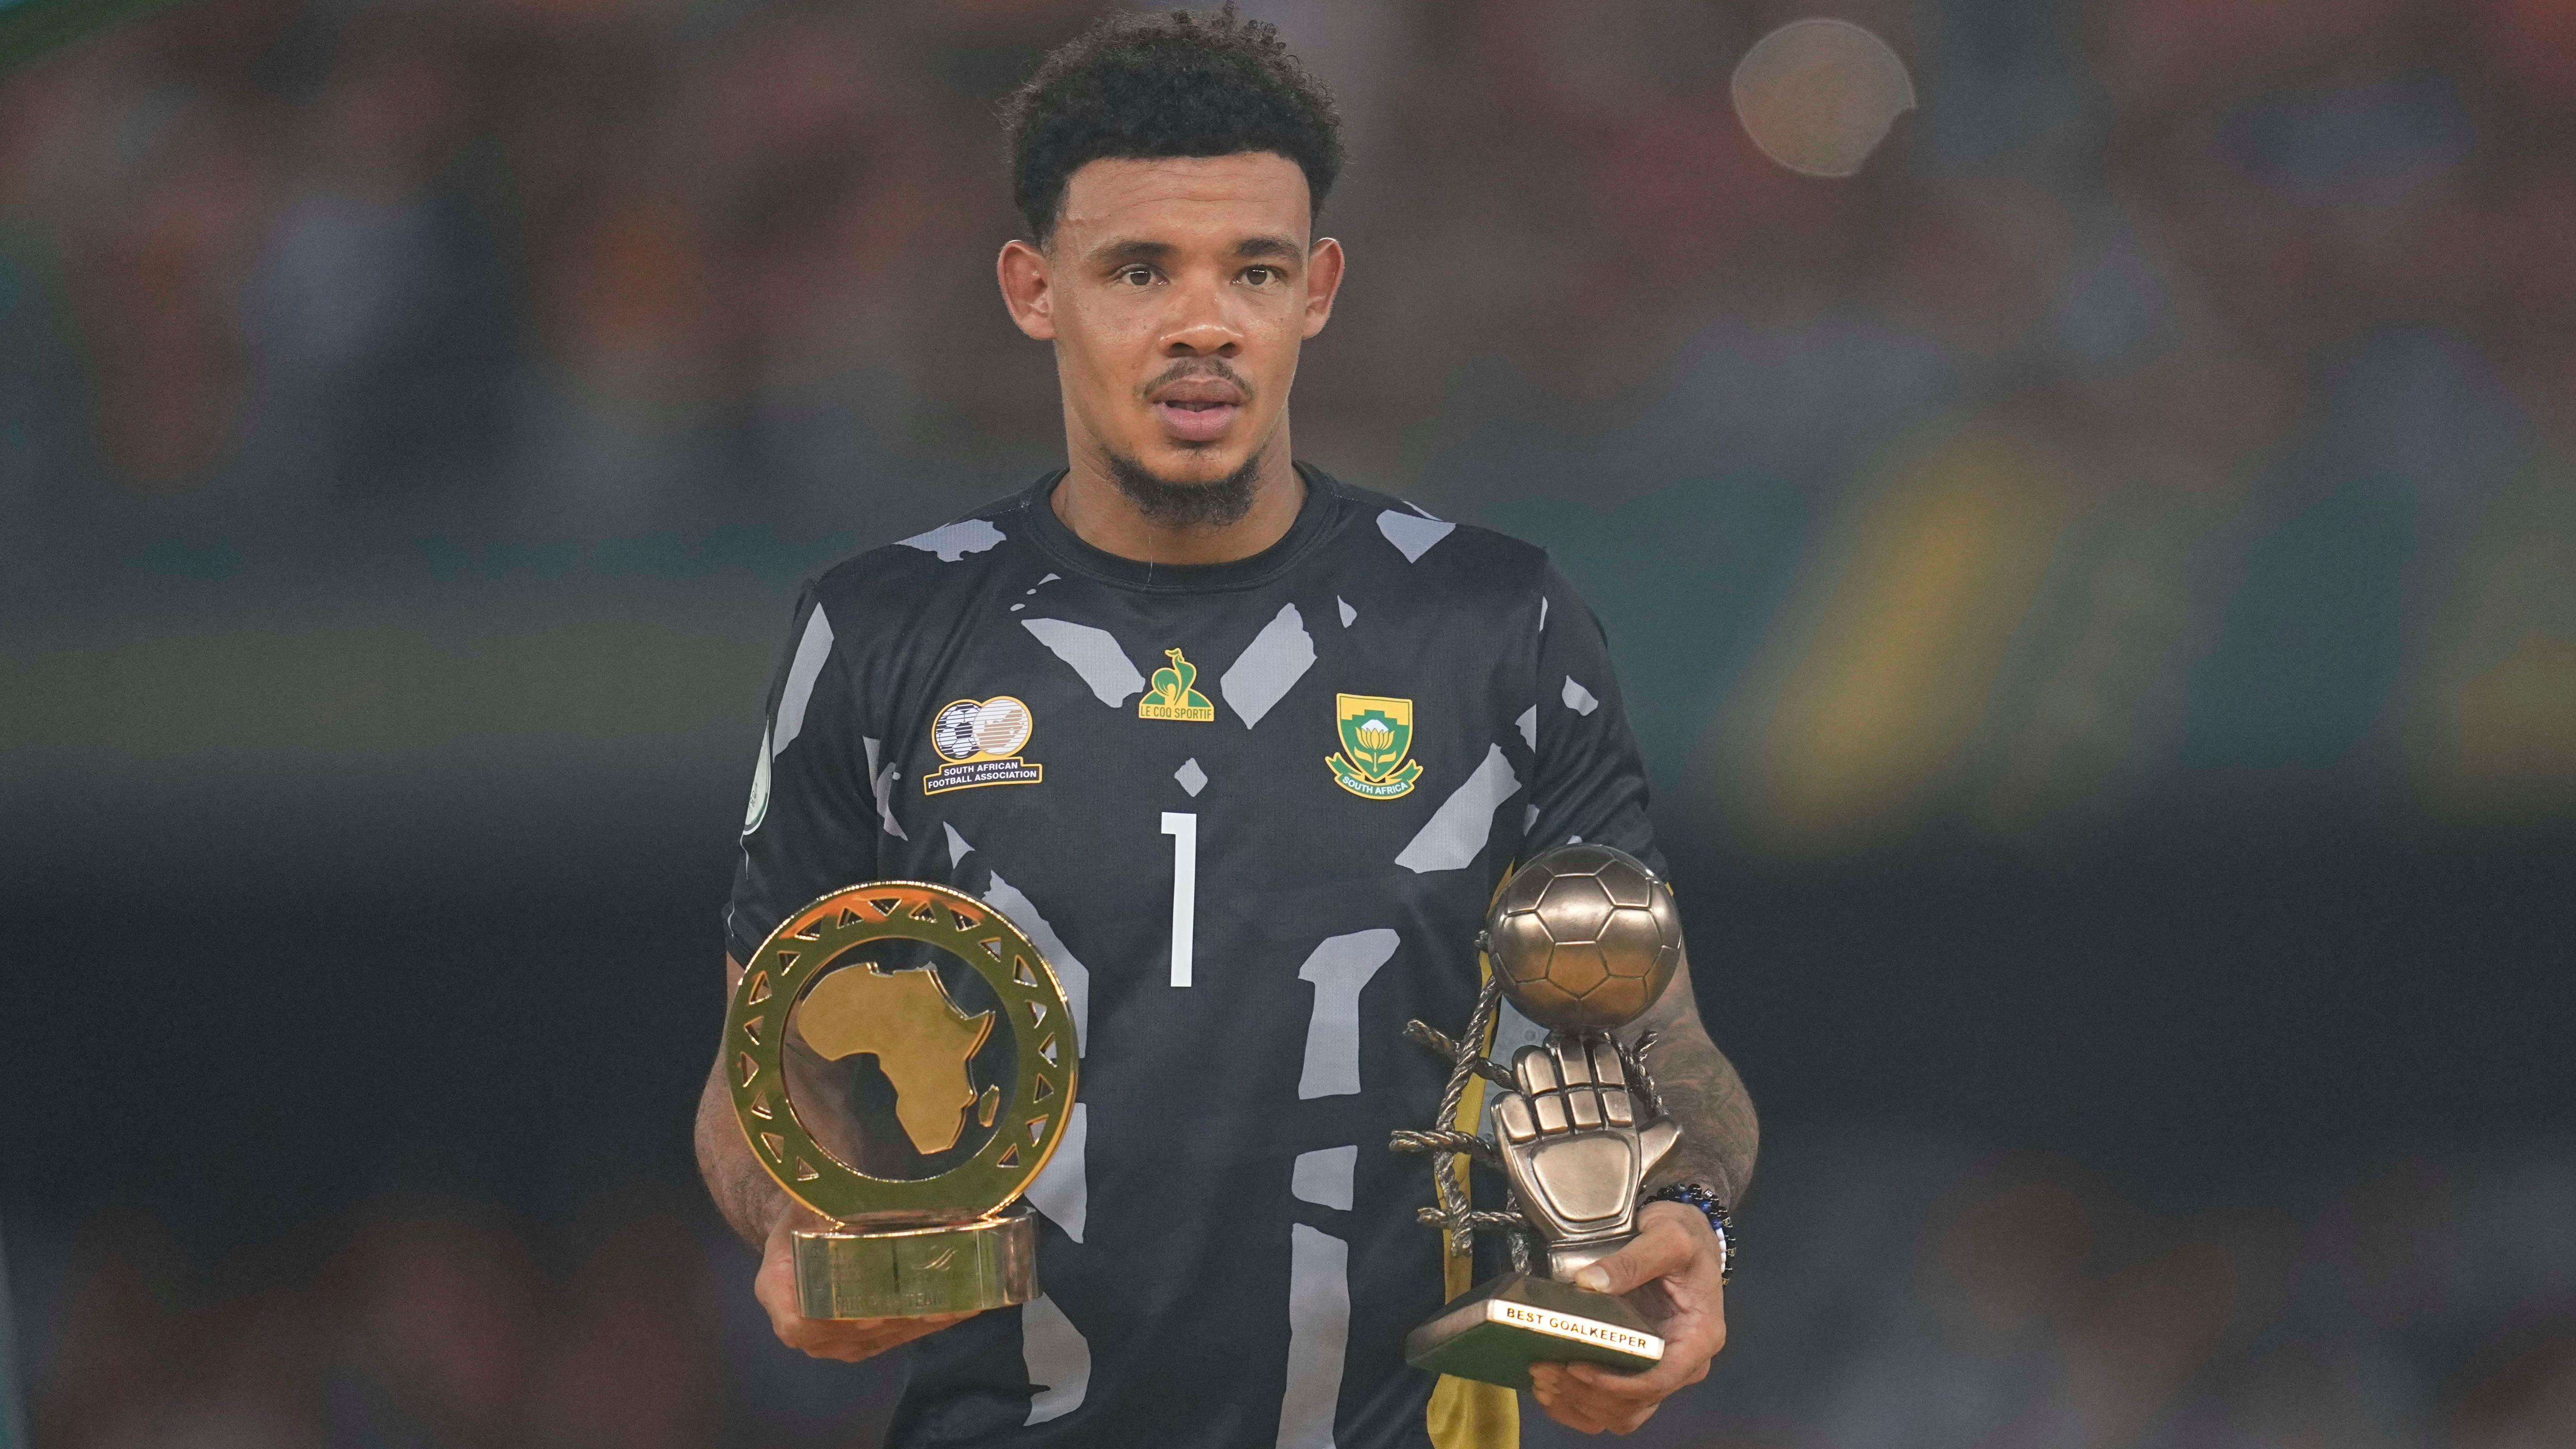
(1346, 740)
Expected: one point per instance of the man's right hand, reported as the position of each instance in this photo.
(847, 1339)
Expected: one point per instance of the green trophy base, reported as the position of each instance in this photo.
(1508, 1323)
(915, 1272)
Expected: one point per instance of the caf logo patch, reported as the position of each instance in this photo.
(981, 739)
(1172, 696)
(1377, 734)
(758, 809)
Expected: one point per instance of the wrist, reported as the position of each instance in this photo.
(1680, 1215)
(1699, 1199)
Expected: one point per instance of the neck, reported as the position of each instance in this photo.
(1100, 514)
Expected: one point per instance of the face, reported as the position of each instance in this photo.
(1177, 293)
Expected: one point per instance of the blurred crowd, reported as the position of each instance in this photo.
(594, 255)
(1899, 1293)
(2017, 1304)
(311, 270)
(429, 1322)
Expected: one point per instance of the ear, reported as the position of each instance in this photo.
(1323, 281)
(1027, 289)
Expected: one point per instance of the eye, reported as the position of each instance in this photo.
(1138, 275)
(1261, 276)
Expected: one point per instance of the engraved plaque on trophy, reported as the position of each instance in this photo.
(1583, 939)
(902, 1062)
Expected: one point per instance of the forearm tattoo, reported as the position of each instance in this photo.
(1700, 1090)
(743, 1190)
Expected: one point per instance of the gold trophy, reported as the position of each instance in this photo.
(1583, 939)
(902, 1062)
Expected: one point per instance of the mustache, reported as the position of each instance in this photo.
(1216, 367)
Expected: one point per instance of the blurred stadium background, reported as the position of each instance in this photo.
(2098, 588)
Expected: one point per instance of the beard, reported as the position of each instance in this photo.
(1217, 503)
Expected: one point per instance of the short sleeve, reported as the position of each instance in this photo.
(1590, 783)
(812, 823)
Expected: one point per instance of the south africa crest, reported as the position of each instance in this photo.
(1377, 734)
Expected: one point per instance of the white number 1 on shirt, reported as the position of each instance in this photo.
(1184, 830)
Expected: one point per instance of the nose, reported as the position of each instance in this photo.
(1200, 327)
(1206, 337)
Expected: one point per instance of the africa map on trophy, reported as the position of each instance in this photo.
(902, 1062)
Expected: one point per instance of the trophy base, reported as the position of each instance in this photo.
(1508, 1323)
(915, 1272)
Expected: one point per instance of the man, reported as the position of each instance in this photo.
(1141, 666)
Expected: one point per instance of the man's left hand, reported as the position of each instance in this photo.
(1674, 1250)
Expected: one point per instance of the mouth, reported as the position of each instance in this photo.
(1197, 422)
(1198, 409)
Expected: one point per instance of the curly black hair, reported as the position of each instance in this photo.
(1171, 84)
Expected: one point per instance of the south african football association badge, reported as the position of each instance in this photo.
(1377, 734)
(1172, 696)
(981, 739)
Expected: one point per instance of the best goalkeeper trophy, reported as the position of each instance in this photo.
(1583, 939)
(902, 1062)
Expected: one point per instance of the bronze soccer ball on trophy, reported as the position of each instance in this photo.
(1584, 938)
